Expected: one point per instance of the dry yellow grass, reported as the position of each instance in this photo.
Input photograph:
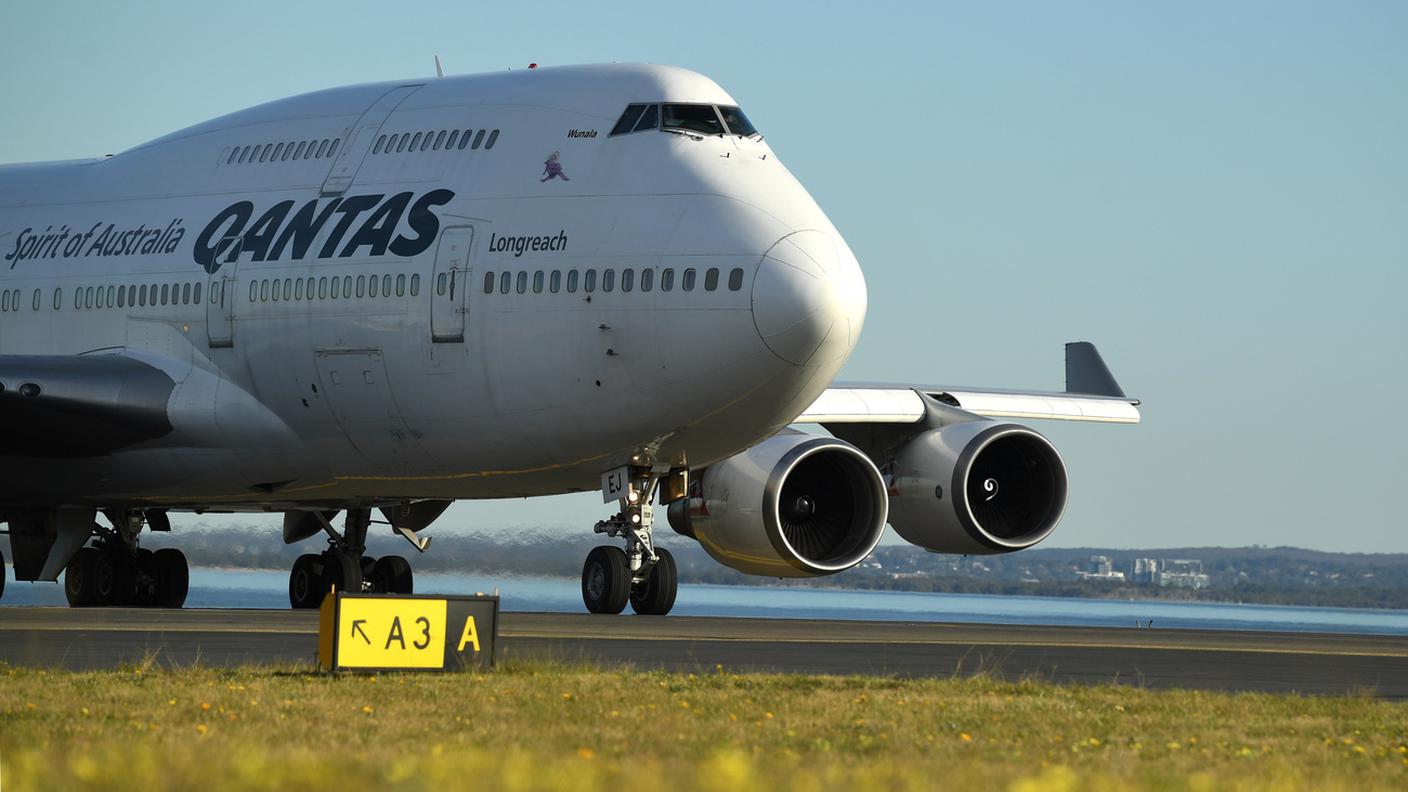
(538, 726)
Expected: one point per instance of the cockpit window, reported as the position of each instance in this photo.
(650, 119)
(738, 124)
(692, 118)
(628, 120)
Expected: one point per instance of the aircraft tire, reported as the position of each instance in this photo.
(341, 572)
(147, 580)
(114, 581)
(392, 575)
(3, 573)
(656, 596)
(305, 585)
(606, 580)
(173, 576)
(78, 577)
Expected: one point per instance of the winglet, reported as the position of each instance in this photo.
(439, 72)
(1086, 372)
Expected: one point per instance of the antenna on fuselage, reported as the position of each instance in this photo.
(439, 72)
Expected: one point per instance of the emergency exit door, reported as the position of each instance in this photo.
(449, 286)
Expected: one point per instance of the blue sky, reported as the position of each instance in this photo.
(1215, 193)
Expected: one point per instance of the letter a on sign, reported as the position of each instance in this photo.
(470, 635)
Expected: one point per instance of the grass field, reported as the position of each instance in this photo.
(538, 726)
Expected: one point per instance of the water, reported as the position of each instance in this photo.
(231, 588)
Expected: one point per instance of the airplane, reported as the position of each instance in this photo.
(379, 299)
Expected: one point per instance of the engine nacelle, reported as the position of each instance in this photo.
(977, 487)
(795, 505)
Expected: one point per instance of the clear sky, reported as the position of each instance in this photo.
(1216, 193)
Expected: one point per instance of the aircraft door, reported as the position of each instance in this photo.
(220, 306)
(449, 285)
(360, 137)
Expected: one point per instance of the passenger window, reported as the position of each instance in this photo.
(253, 290)
(36, 299)
(464, 140)
(628, 279)
(322, 148)
(88, 297)
(571, 281)
(667, 279)
(441, 282)
(386, 285)
(5, 301)
(346, 287)
(308, 292)
(589, 281)
(554, 283)
(608, 280)
(298, 153)
(78, 297)
(415, 141)
(234, 152)
(279, 153)
(372, 287)
(58, 298)
(244, 154)
(522, 282)
(275, 292)
(449, 144)
(488, 283)
(428, 137)
(505, 282)
(711, 279)
(628, 119)
(687, 284)
(415, 285)
(478, 138)
(735, 279)
(165, 292)
(263, 291)
(121, 298)
(185, 295)
(538, 282)
(493, 138)
(381, 141)
(298, 289)
(405, 139)
(692, 118)
(361, 286)
(332, 149)
(650, 119)
(439, 140)
(112, 292)
(647, 279)
(401, 285)
(195, 294)
(322, 288)
(288, 289)
(334, 290)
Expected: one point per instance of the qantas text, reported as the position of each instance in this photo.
(283, 233)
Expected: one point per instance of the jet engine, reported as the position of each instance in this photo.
(795, 505)
(976, 487)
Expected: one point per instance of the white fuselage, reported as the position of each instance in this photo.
(489, 369)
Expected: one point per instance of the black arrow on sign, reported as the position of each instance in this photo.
(357, 628)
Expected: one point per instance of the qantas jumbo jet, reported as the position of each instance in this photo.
(385, 298)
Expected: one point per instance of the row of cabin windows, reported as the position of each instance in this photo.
(435, 141)
(281, 152)
(553, 281)
(86, 297)
(290, 289)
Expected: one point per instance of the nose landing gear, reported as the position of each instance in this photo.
(643, 575)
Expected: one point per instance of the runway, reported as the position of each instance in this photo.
(1209, 659)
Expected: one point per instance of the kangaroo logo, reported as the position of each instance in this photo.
(552, 169)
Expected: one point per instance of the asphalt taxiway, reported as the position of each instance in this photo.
(1209, 659)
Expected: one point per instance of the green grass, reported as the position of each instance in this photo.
(542, 726)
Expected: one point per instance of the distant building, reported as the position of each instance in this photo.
(1146, 570)
(1182, 573)
(1101, 569)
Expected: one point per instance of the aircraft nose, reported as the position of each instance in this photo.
(809, 298)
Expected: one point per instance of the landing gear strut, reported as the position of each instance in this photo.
(344, 567)
(116, 572)
(643, 575)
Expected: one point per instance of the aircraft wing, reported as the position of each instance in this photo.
(1091, 394)
(64, 406)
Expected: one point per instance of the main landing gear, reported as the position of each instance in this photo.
(345, 567)
(643, 575)
(115, 572)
